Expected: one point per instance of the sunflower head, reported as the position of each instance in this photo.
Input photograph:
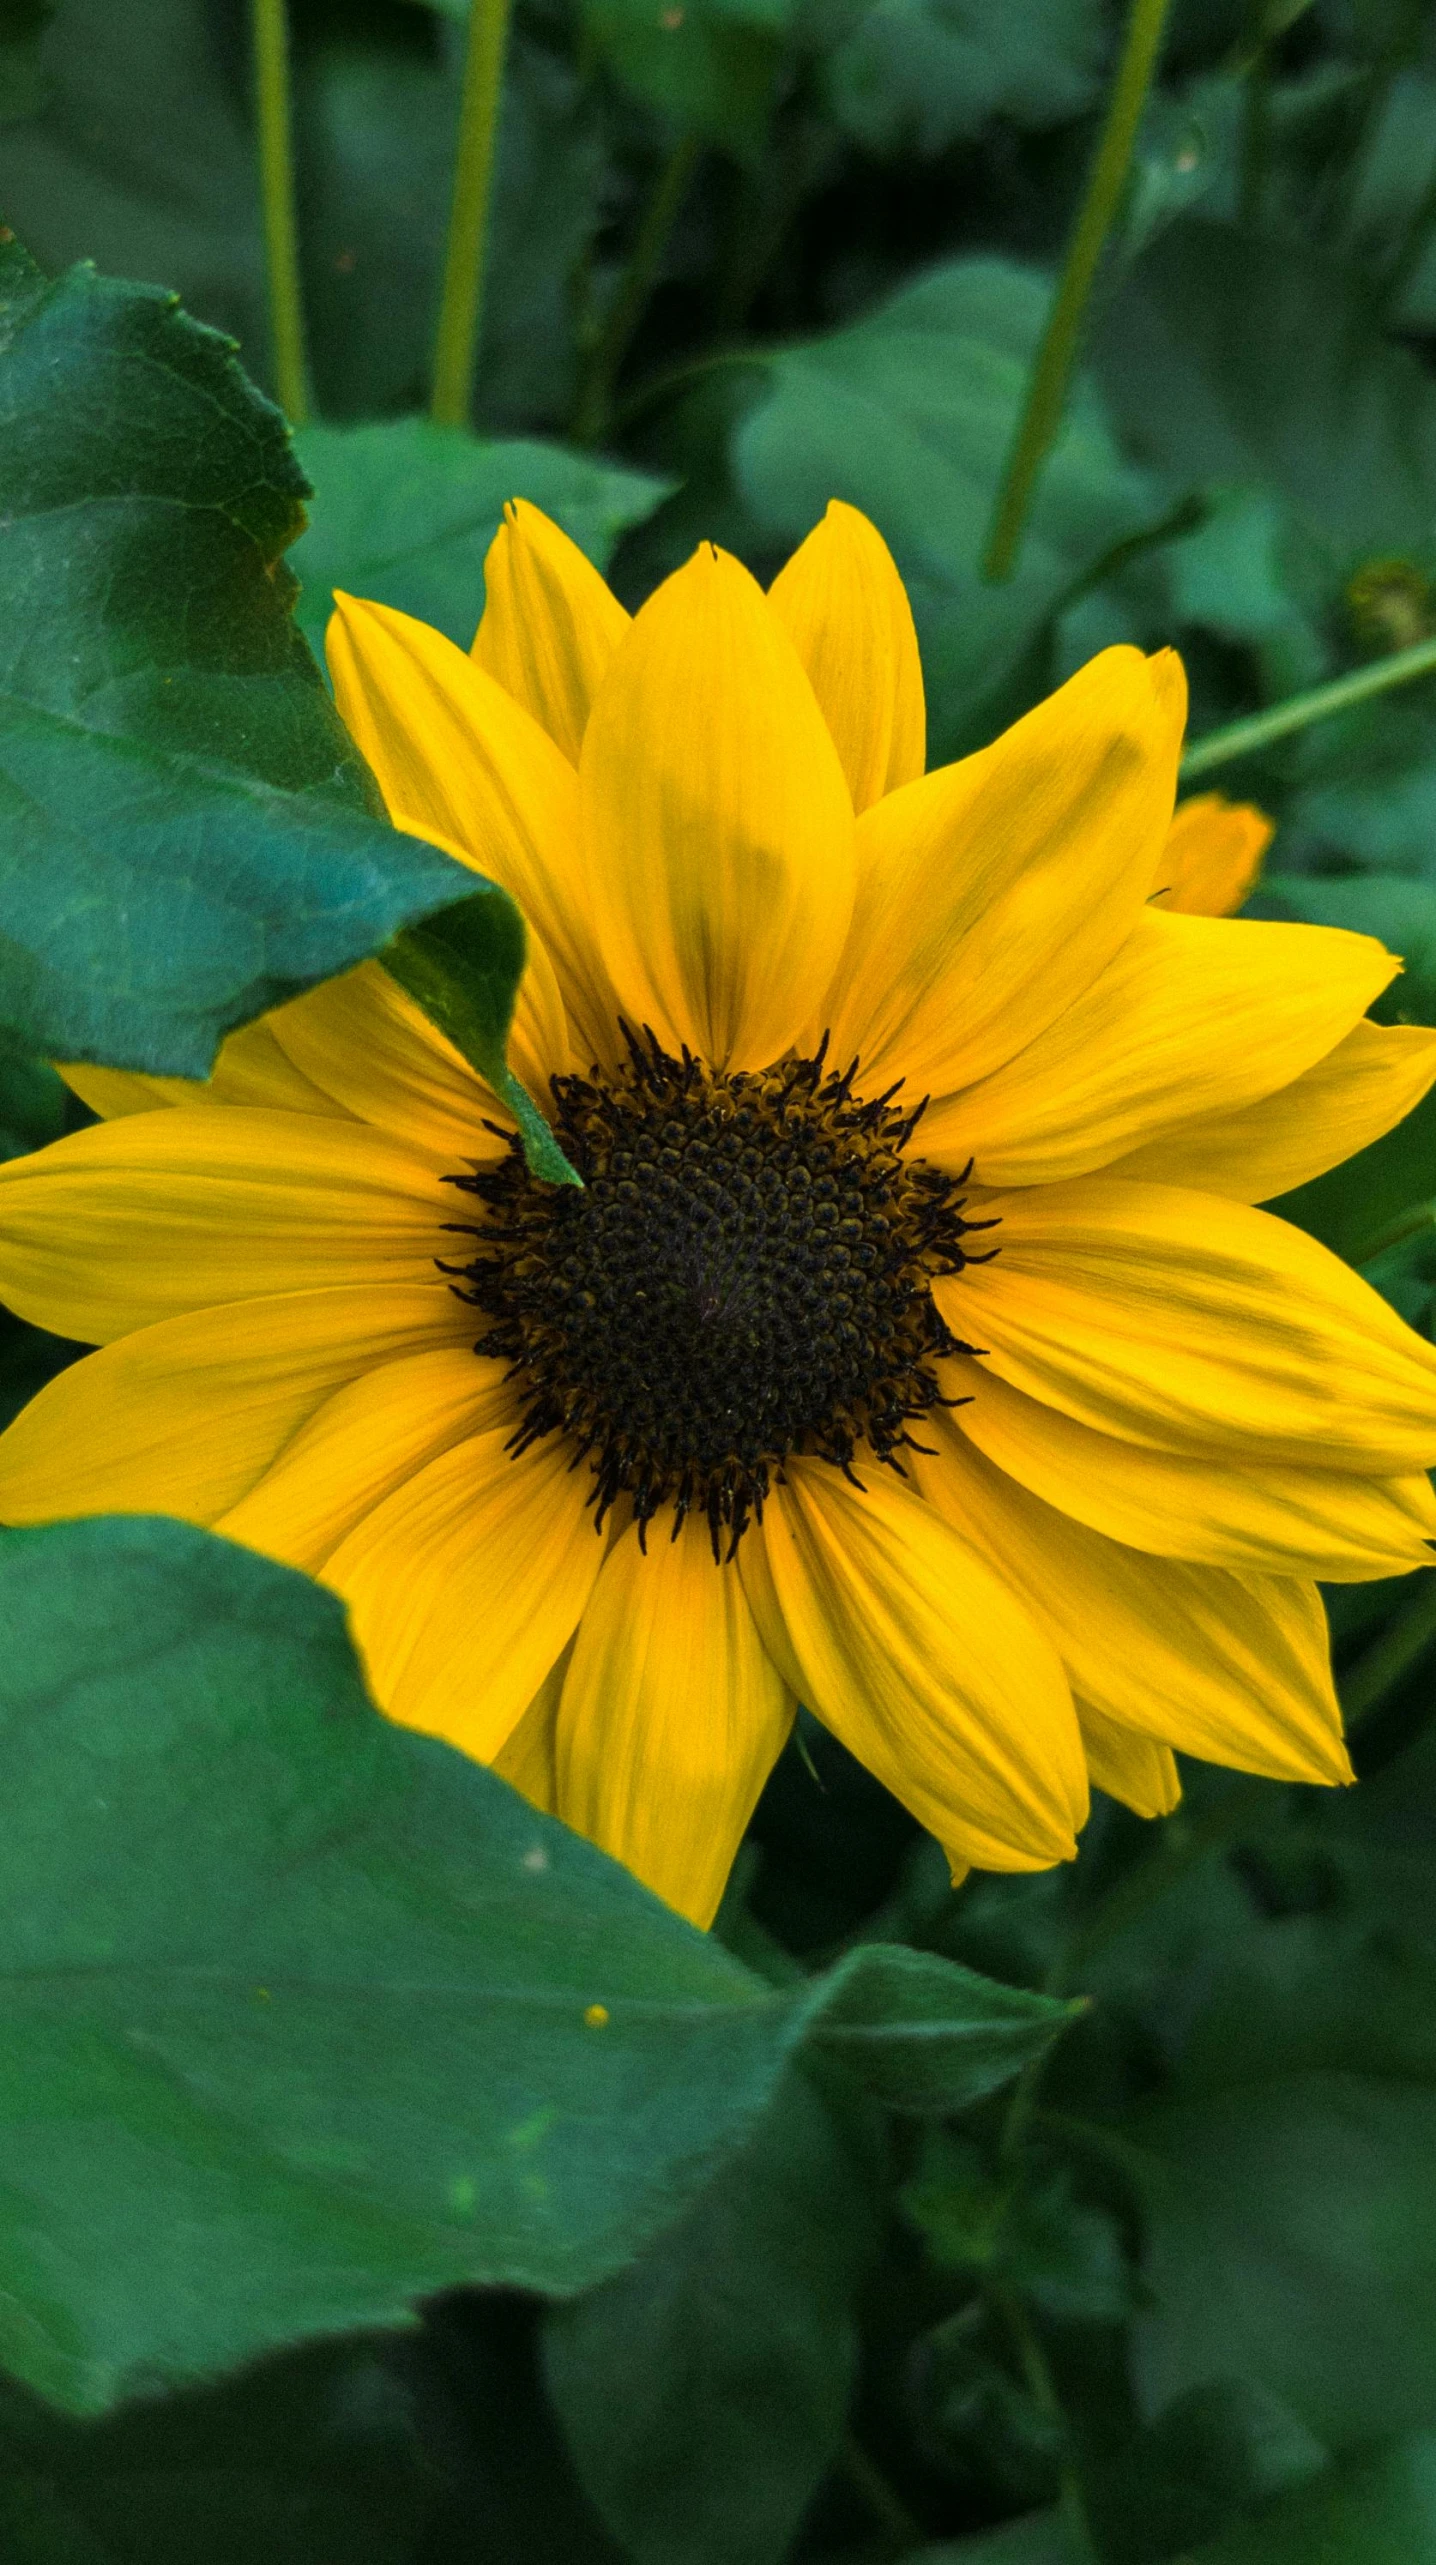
(912, 1346)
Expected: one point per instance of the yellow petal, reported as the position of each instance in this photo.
(992, 893)
(363, 1040)
(1128, 1766)
(140, 1219)
(183, 1417)
(1223, 1512)
(1212, 855)
(842, 600)
(717, 825)
(251, 1069)
(672, 1717)
(1193, 1015)
(1233, 1668)
(460, 762)
(551, 624)
(369, 1438)
(922, 1661)
(466, 1585)
(528, 1757)
(1191, 1324)
(1364, 1087)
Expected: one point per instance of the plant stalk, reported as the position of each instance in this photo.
(595, 393)
(1258, 730)
(461, 303)
(270, 23)
(1047, 385)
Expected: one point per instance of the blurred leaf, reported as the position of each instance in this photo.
(1230, 358)
(704, 2390)
(1039, 2539)
(1034, 2237)
(376, 146)
(1375, 2510)
(309, 2016)
(916, 75)
(908, 415)
(309, 2458)
(1208, 2459)
(1286, 2182)
(405, 511)
(708, 66)
(143, 159)
(190, 837)
(23, 86)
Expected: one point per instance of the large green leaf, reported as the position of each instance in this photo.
(1374, 2510)
(908, 415)
(405, 512)
(1229, 358)
(917, 74)
(704, 2390)
(306, 2016)
(1286, 2182)
(187, 836)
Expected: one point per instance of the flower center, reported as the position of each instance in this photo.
(745, 1274)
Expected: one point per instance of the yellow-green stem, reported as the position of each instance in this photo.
(462, 301)
(276, 189)
(1240, 738)
(1047, 385)
(595, 396)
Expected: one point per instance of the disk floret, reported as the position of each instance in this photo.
(744, 1275)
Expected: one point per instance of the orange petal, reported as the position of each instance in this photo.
(1212, 856)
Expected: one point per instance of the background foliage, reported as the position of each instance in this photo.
(385, 2179)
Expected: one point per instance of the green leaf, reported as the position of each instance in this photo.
(704, 2391)
(189, 837)
(1229, 358)
(405, 511)
(917, 75)
(23, 86)
(1286, 2182)
(1374, 2510)
(707, 66)
(908, 415)
(463, 968)
(1354, 1205)
(306, 2016)
(312, 2456)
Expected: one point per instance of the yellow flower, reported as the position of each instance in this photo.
(1212, 855)
(1019, 1434)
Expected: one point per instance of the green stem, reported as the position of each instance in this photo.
(595, 394)
(1389, 1659)
(1042, 2387)
(884, 2503)
(1241, 738)
(461, 304)
(1047, 385)
(270, 23)
(1420, 1215)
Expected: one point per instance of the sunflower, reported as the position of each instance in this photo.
(911, 1349)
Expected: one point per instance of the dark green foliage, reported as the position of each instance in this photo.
(1082, 2219)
